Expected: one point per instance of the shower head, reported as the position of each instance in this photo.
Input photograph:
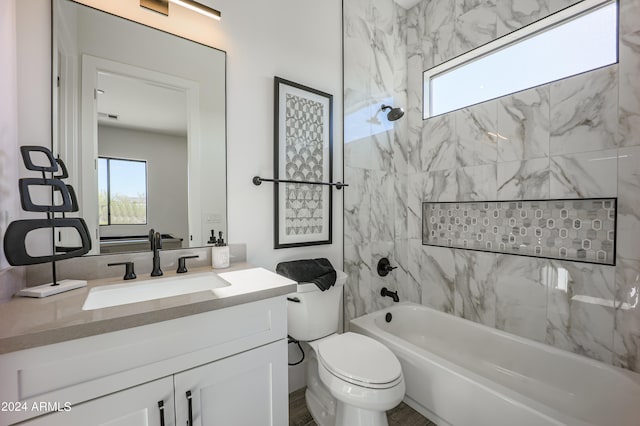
(394, 114)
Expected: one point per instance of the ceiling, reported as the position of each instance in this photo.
(142, 105)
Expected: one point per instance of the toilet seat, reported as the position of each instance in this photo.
(360, 360)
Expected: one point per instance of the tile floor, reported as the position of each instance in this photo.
(402, 415)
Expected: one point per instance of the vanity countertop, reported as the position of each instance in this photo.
(30, 322)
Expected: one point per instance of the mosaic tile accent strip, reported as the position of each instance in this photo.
(582, 230)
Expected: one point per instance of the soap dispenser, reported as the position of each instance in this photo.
(212, 238)
(220, 253)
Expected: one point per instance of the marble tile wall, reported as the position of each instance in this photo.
(376, 154)
(574, 138)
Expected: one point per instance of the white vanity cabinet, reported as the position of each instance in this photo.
(239, 390)
(233, 361)
(131, 407)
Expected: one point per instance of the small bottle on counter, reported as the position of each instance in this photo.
(212, 238)
(220, 253)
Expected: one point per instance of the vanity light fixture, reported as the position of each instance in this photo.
(162, 6)
(200, 8)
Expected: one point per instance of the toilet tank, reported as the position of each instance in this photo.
(317, 313)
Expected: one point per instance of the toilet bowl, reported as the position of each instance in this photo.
(363, 376)
(351, 379)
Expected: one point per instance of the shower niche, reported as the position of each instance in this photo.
(580, 230)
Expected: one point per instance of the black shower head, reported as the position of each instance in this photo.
(394, 114)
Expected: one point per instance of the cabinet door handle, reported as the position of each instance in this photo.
(190, 420)
(161, 408)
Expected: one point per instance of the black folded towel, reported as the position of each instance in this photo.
(318, 271)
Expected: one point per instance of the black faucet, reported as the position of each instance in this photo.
(156, 244)
(391, 294)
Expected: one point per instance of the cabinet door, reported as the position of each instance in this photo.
(131, 407)
(248, 389)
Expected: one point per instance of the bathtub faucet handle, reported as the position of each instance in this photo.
(384, 267)
(392, 294)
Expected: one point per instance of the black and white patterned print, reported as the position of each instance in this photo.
(304, 161)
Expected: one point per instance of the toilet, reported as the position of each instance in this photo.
(351, 379)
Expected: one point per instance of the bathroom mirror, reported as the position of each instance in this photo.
(139, 118)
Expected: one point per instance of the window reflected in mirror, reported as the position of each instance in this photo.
(122, 191)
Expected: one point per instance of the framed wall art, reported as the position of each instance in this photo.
(303, 151)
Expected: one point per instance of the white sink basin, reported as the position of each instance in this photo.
(151, 289)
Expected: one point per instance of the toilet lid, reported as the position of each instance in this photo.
(360, 360)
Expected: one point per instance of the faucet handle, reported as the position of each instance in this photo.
(129, 273)
(384, 267)
(182, 267)
(158, 240)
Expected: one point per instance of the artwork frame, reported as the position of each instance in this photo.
(303, 151)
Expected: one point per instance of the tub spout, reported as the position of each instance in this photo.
(392, 294)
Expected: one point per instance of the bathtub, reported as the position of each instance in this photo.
(461, 373)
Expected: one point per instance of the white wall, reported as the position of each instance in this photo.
(10, 278)
(166, 192)
(34, 72)
(300, 40)
(8, 119)
(296, 40)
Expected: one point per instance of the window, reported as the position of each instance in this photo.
(122, 191)
(577, 39)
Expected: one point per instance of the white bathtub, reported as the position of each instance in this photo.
(461, 373)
